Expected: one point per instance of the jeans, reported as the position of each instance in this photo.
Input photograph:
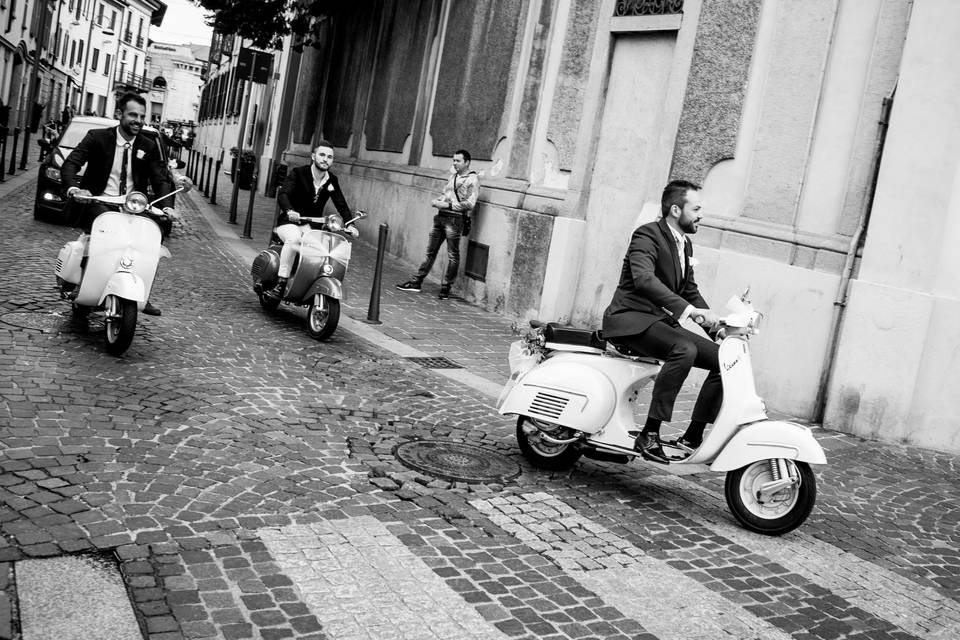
(446, 226)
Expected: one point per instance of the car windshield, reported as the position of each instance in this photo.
(75, 132)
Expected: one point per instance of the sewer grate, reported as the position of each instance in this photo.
(42, 321)
(456, 461)
(435, 362)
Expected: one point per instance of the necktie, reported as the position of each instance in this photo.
(123, 169)
(680, 254)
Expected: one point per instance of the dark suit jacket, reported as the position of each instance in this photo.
(97, 150)
(651, 287)
(297, 193)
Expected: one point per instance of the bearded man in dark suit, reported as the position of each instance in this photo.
(118, 161)
(306, 191)
(656, 292)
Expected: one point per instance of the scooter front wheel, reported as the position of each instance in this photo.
(771, 513)
(540, 451)
(323, 316)
(121, 323)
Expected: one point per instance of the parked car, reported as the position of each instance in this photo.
(50, 202)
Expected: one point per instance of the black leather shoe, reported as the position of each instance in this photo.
(151, 310)
(277, 291)
(648, 446)
(683, 444)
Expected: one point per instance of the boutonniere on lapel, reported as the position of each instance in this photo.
(330, 188)
(140, 154)
(693, 261)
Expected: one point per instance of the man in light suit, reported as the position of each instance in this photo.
(118, 161)
(656, 292)
(306, 191)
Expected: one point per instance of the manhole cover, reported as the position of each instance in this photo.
(33, 320)
(456, 462)
(435, 362)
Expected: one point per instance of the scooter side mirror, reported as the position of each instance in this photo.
(746, 292)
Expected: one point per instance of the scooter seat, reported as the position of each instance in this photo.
(629, 352)
(557, 334)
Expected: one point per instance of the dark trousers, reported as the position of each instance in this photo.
(449, 227)
(680, 350)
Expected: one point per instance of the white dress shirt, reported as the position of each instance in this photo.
(113, 182)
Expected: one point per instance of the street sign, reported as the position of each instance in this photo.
(260, 62)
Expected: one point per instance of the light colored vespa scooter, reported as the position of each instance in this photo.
(316, 280)
(122, 252)
(574, 396)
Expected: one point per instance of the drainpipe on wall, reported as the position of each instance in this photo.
(856, 243)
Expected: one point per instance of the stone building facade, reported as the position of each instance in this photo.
(825, 134)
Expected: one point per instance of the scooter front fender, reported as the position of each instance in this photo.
(326, 286)
(124, 284)
(571, 394)
(769, 439)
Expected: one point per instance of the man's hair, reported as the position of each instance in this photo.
(464, 153)
(322, 143)
(675, 193)
(127, 97)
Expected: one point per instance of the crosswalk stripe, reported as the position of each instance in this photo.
(74, 598)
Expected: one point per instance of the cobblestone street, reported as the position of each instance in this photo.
(242, 477)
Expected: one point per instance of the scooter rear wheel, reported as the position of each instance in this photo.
(784, 511)
(542, 453)
(121, 323)
(270, 303)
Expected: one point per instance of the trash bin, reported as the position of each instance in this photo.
(279, 175)
(245, 172)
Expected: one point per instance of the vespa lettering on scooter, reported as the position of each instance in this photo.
(113, 267)
(316, 280)
(573, 395)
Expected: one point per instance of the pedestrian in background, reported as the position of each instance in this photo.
(450, 223)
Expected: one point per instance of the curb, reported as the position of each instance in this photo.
(228, 236)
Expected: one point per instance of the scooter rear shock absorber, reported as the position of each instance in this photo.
(774, 468)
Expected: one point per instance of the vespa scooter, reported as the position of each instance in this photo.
(574, 395)
(113, 267)
(316, 280)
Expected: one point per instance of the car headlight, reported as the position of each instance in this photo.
(52, 173)
(136, 202)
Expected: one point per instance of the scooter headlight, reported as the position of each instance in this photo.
(136, 202)
(126, 262)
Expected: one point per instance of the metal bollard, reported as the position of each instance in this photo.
(216, 174)
(13, 152)
(373, 311)
(206, 184)
(203, 169)
(248, 221)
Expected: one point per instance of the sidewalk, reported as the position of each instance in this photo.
(413, 324)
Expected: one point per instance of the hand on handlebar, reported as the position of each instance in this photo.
(80, 195)
(293, 216)
(171, 213)
(706, 318)
(352, 230)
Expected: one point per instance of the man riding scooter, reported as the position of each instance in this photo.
(118, 161)
(306, 191)
(656, 293)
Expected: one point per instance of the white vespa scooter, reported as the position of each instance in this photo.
(122, 252)
(574, 396)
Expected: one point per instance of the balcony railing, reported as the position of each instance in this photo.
(127, 36)
(140, 42)
(128, 81)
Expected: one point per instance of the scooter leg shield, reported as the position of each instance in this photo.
(125, 285)
(769, 439)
